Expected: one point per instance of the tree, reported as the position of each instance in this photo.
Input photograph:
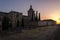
(5, 23)
(10, 25)
(36, 17)
(39, 16)
(22, 24)
(17, 23)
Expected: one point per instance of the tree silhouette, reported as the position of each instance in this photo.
(22, 24)
(10, 25)
(32, 17)
(5, 23)
(39, 16)
(36, 17)
(17, 23)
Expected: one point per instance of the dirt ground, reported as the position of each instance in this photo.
(41, 33)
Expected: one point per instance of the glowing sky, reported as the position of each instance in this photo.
(47, 8)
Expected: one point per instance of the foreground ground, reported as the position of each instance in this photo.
(41, 33)
(57, 34)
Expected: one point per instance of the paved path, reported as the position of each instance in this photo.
(45, 34)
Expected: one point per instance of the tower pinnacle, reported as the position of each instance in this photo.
(30, 6)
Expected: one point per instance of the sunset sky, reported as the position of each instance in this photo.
(49, 9)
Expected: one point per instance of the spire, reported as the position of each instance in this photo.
(30, 9)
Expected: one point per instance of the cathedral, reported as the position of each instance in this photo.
(32, 18)
(15, 19)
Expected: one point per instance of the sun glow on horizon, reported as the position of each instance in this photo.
(57, 21)
(55, 16)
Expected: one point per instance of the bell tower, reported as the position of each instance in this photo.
(31, 14)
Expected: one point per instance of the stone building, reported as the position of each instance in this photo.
(31, 19)
(2, 15)
(47, 22)
(31, 14)
(15, 18)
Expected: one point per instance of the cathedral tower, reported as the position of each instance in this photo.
(31, 14)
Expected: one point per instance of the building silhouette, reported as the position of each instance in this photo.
(15, 19)
(31, 14)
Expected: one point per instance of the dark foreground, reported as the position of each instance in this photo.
(57, 34)
(43, 33)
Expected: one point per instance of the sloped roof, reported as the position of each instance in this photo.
(49, 20)
(15, 12)
(3, 13)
